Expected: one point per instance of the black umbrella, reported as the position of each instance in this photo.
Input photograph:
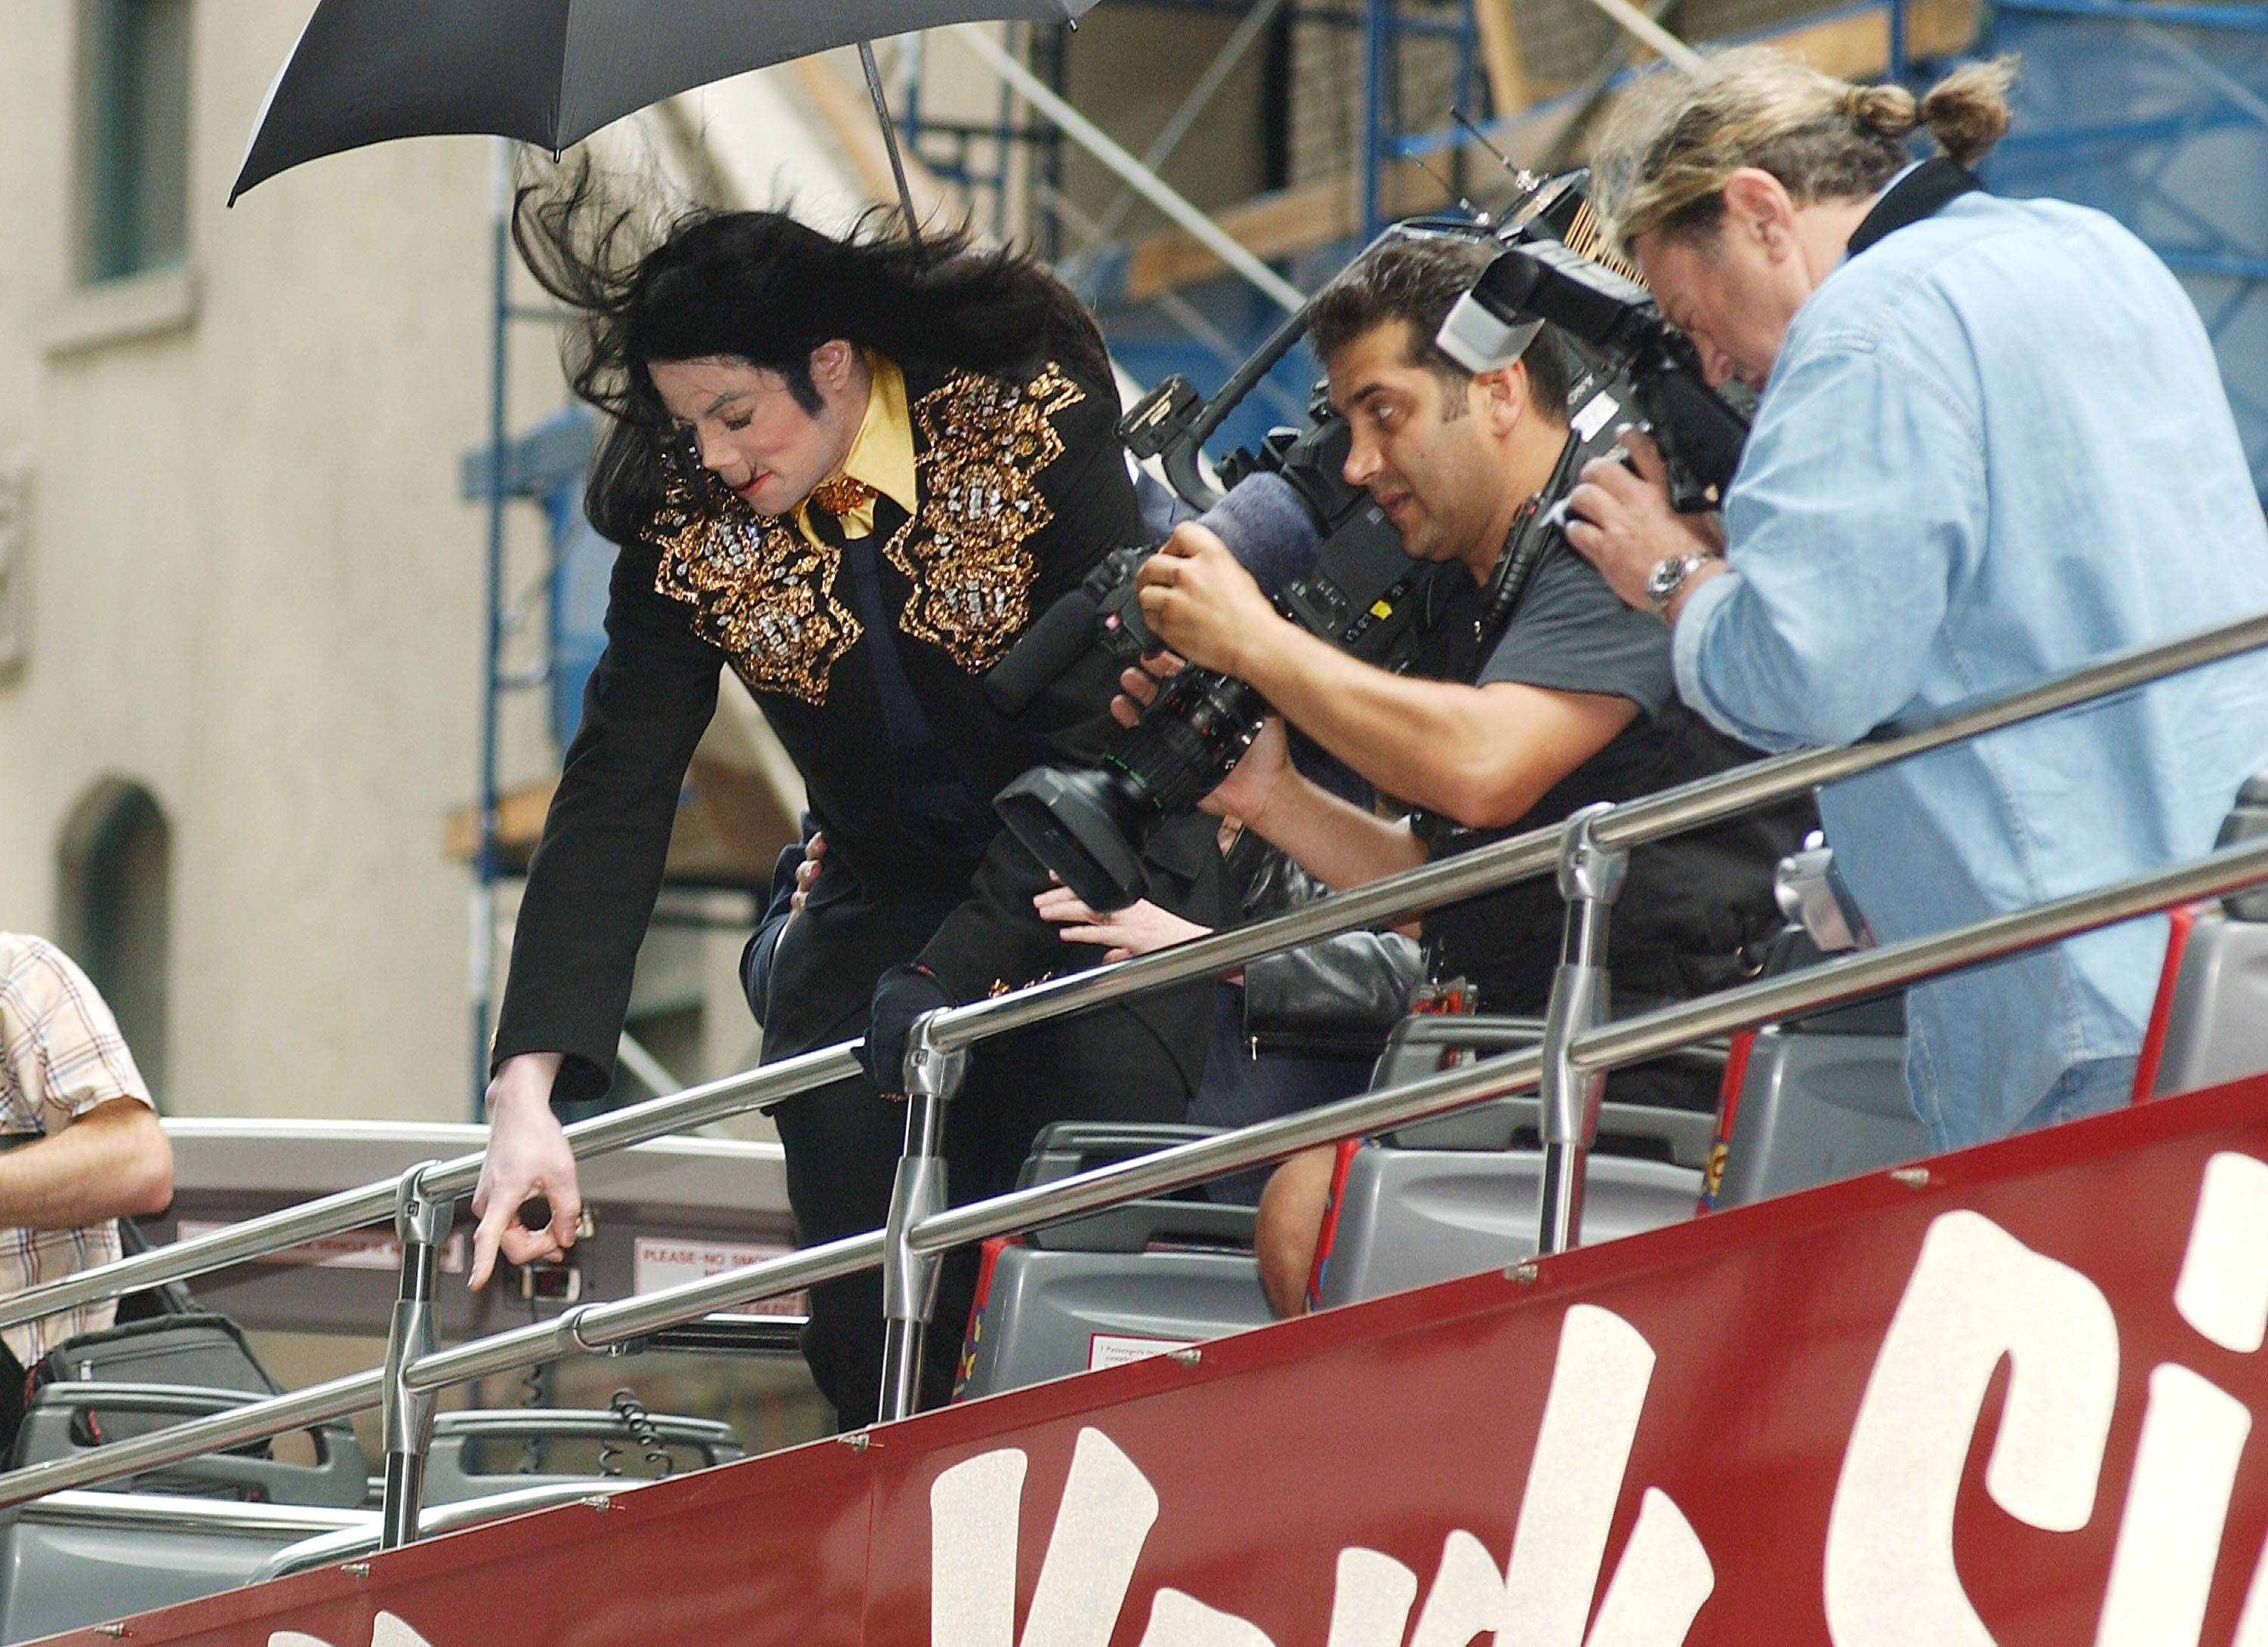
(551, 71)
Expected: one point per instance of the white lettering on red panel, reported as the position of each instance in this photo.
(1540, 1597)
(1977, 1296)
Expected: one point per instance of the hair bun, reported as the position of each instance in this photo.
(1967, 111)
(1888, 111)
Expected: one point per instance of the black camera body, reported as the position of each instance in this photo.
(1362, 594)
(1699, 430)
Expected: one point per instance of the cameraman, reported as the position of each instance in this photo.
(1571, 702)
(1992, 445)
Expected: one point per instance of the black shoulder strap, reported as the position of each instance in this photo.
(1921, 193)
(1540, 525)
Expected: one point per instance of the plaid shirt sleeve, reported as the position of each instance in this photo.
(63, 1052)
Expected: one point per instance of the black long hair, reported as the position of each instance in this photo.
(761, 287)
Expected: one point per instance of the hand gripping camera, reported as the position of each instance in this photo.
(1700, 432)
(1360, 592)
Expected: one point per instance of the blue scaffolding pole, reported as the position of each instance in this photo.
(1384, 31)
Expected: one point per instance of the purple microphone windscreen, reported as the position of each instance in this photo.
(1268, 528)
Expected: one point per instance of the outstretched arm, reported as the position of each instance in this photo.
(591, 888)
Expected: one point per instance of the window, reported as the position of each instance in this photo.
(133, 136)
(114, 868)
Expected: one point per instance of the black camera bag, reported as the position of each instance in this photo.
(200, 1349)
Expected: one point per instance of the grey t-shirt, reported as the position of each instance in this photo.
(1691, 905)
(1571, 633)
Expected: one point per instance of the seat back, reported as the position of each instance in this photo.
(75, 1559)
(1417, 1048)
(1819, 1102)
(1043, 1314)
(1091, 1291)
(478, 1453)
(1817, 1098)
(1463, 1192)
(1064, 1147)
(2212, 1026)
(1410, 1218)
(69, 1420)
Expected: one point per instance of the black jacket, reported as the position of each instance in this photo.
(1022, 486)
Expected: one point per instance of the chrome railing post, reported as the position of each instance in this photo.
(1590, 879)
(422, 1220)
(933, 1075)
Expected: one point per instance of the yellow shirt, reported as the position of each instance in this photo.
(881, 452)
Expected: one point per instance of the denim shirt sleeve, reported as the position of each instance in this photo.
(1858, 510)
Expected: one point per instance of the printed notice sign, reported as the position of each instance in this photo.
(658, 1262)
(1115, 1349)
(355, 1249)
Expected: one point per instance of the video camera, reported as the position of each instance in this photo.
(1286, 505)
(1700, 432)
(1332, 561)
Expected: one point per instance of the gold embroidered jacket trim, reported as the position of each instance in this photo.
(763, 593)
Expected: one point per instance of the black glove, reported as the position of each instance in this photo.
(900, 996)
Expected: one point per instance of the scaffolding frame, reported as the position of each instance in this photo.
(2156, 169)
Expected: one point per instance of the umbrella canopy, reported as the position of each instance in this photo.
(547, 71)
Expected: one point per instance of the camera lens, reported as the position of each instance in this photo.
(1089, 827)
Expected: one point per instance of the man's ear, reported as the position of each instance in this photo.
(1759, 205)
(1504, 397)
(831, 362)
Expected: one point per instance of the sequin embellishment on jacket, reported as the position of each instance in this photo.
(763, 593)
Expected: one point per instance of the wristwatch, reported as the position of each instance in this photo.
(1671, 574)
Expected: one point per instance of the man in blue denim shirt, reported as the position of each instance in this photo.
(1992, 445)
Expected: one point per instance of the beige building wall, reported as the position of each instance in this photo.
(254, 589)
(252, 585)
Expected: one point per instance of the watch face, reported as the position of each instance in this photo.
(1665, 579)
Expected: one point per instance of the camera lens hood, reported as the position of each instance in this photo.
(1074, 822)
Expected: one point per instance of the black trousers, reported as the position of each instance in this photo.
(842, 1145)
(12, 1401)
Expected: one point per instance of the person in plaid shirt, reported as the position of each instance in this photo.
(83, 1147)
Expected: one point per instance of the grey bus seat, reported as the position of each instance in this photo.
(1822, 1097)
(1463, 1192)
(1064, 1147)
(1149, 1277)
(75, 1558)
(1410, 1218)
(1419, 1043)
(2209, 1022)
(477, 1453)
(2216, 1018)
(69, 1420)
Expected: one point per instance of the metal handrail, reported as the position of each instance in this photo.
(1450, 881)
(1631, 823)
(595, 1327)
(1624, 1041)
(354, 1209)
(598, 1327)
